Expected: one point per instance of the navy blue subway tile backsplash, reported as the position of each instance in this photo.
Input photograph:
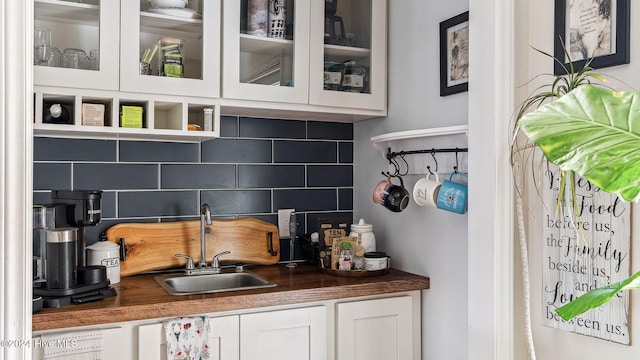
(256, 167)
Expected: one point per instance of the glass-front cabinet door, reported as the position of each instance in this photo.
(348, 48)
(170, 47)
(266, 50)
(76, 43)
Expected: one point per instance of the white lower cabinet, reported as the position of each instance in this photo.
(382, 327)
(376, 329)
(59, 343)
(297, 334)
(223, 340)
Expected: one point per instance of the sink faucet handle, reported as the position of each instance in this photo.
(215, 264)
(189, 261)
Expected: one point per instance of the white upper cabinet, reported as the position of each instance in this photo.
(348, 58)
(266, 50)
(76, 43)
(332, 56)
(315, 60)
(183, 47)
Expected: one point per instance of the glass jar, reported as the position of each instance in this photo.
(345, 260)
(355, 77)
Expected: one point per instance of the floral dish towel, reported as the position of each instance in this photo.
(187, 338)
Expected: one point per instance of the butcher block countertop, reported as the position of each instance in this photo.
(140, 297)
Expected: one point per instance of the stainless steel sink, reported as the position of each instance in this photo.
(211, 283)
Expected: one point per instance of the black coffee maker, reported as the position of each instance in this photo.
(61, 276)
(333, 25)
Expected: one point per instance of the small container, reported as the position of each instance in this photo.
(355, 77)
(144, 68)
(332, 75)
(208, 119)
(376, 260)
(172, 57)
(345, 260)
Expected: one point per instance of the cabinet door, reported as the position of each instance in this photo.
(183, 47)
(223, 340)
(356, 32)
(114, 345)
(258, 66)
(295, 334)
(375, 329)
(76, 43)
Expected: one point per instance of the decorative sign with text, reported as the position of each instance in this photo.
(583, 253)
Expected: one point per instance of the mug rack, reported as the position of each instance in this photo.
(446, 145)
(392, 155)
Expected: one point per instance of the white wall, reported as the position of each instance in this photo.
(558, 344)
(420, 240)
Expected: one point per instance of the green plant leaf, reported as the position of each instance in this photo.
(597, 297)
(594, 132)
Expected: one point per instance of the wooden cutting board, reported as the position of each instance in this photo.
(152, 246)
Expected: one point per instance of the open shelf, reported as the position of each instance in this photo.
(423, 139)
(165, 118)
(66, 11)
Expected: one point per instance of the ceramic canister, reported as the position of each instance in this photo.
(277, 18)
(364, 232)
(107, 254)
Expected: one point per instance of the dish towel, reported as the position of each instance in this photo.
(187, 338)
(79, 345)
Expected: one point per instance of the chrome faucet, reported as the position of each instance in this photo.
(205, 218)
(215, 263)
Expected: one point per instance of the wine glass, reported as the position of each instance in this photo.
(42, 45)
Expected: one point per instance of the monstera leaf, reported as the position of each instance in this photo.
(594, 132)
(597, 297)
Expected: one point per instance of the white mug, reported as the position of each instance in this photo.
(425, 192)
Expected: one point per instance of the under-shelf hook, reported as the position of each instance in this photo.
(455, 168)
(406, 166)
(433, 155)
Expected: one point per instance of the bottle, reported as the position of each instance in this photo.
(56, 114)
(208, 119)
(345, 260)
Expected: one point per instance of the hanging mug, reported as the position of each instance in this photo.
(393, 197)
(425, 192)
(453, 195)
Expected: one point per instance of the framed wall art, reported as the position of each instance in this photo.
(454, 55)
(597, 29)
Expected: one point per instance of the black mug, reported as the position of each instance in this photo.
(396, 198)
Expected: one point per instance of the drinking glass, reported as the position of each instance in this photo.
(75, 59)
(42, 45)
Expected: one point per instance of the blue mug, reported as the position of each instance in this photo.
(453, 195)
